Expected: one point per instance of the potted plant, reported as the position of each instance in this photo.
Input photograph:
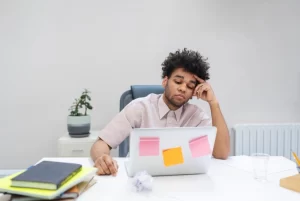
(79, 122)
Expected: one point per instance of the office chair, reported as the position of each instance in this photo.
(136, 91)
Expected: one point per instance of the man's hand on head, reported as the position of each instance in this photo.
(204, 91)
(106, 165)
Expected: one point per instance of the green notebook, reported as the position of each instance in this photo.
(82, 175)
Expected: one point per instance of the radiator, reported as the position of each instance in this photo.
(273, 139)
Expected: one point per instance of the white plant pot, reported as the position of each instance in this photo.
(79, 126)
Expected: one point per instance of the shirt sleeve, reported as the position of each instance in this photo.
(116, 131)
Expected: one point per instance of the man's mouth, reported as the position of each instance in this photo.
(180, 96)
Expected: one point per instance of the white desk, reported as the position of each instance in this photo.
(222, 182)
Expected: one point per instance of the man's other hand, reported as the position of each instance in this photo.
(106, 165)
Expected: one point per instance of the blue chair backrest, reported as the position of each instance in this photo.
(136, 91)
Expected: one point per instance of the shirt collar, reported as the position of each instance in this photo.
(163, 109)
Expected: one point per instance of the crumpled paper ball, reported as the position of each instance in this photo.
(142, 181)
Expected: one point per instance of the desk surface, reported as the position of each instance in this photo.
(222, 182)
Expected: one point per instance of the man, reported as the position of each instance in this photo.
(184, 75)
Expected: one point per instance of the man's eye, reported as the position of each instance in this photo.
(191, 86)
(177, 82)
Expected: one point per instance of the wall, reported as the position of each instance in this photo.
(51, 50)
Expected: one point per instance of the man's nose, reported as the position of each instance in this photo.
(182, 87)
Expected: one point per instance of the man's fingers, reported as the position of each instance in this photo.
(109, 163)
(100, 170)
(104, 167)
(200, 93)
(196, 90)
(203, 91)
(199, 90)
(112, 168)
(199, 79)
(206, 88)
(101, 166)
(116, 165)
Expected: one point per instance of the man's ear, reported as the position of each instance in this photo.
(164, 81)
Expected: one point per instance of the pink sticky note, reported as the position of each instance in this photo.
(200, 146)
(149, 146)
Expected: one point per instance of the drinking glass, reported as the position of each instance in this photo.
(260, 166)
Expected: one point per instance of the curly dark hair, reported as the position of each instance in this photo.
(190, 60)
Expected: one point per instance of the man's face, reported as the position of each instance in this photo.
(179, 88)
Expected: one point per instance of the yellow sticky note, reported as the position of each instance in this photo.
(173, 156)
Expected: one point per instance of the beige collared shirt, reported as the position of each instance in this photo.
(148, 112)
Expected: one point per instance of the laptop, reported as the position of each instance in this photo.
(171, 151)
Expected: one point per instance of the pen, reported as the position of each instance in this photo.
(296, 158)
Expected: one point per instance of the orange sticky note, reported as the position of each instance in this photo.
(173, 156)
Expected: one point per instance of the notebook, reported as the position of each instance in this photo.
(46, 175)
(82, 175)
(71, 194)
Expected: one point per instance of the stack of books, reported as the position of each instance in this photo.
(48, 180)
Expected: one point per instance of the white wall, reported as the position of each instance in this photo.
(51, 50)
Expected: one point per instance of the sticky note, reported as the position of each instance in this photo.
(199, 146)
(149, 146)
(173, 156)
